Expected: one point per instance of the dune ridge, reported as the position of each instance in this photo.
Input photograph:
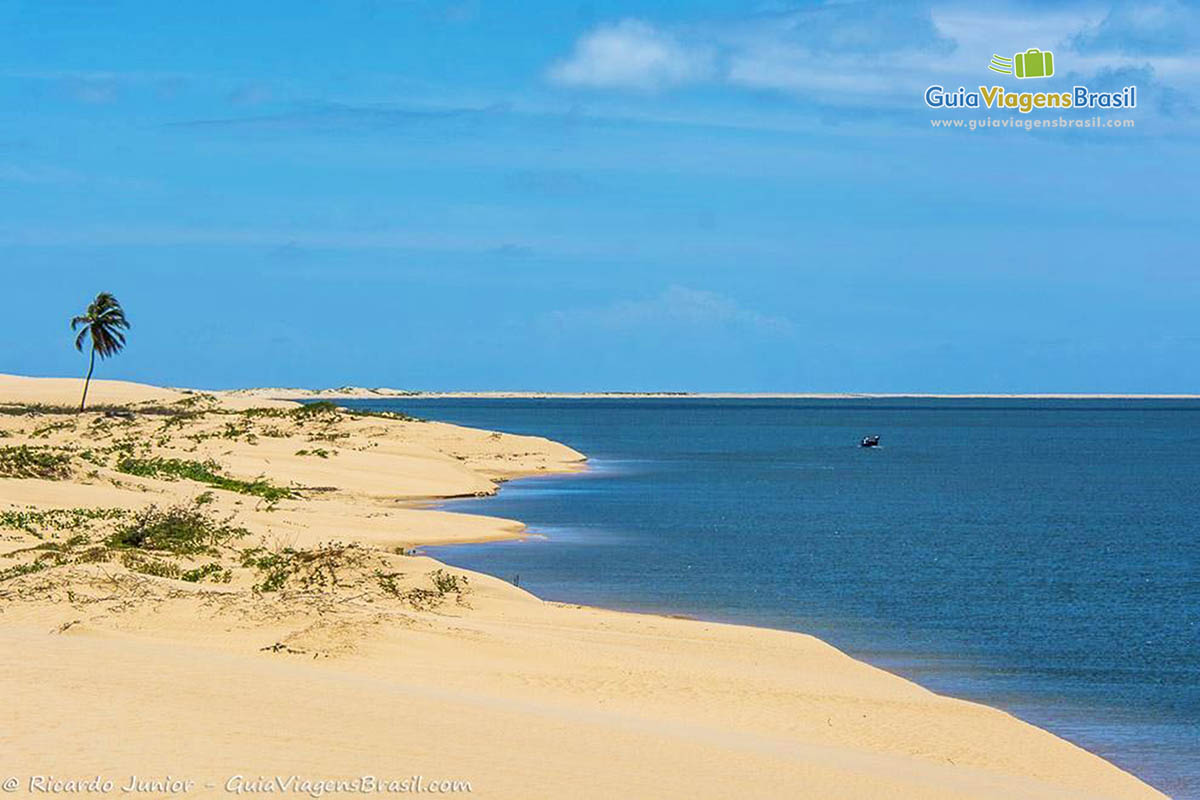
(291, 630)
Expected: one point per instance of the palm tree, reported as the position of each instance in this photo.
(102, 323)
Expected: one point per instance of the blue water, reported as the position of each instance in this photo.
(1038, 556)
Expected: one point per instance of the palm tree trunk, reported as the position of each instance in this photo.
(88, 379)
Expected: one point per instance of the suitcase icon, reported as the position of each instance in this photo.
(1034, 63)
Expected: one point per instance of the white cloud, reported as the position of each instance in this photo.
(862, 55)
(1079, 37)
(632, 55)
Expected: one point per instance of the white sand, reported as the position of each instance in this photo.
(104, 670)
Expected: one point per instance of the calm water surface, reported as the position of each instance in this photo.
(1039, 556)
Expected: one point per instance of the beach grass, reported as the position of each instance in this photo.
(206, 472)
(25, 461)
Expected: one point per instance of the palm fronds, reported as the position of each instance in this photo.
(103, 323)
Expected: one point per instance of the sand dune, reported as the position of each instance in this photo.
(318, 646)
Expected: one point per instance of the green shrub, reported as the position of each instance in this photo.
(306, 569)
(321, 408)
(180, 530)
(444, 583)
(211, 570)
(447, 582)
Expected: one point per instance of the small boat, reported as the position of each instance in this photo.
(869, 441)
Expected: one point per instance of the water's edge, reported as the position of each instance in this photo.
(1066, 713)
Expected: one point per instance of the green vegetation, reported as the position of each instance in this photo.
(328, 436)
(233, 431)
(23, 461)
(444, 584)
(275, 567)
(212, 570)
(387, 582)
(146, 542)
(447, 582)
(319, 452)
(44, 431)
(165, 569)
(102, 323)
(112, 409)
(306, 570)
(325, 411)
(66, 546)
(177, 419)
(196, 399)
(150, 566)
(202, 472)
(56, 519)
(271, 413)
(32, 409)
(8, 573)
(321, 408)
(179, 530)
(399, 416)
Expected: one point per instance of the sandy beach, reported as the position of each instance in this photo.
(220, 590)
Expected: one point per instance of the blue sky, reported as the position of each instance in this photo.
(598, 195)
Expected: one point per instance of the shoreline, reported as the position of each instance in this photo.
(896, 663)
(381, 393)
(684, 707)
